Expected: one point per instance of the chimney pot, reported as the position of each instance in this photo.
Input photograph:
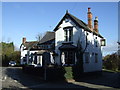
(96, 18)
(89, 9)
(23, 40)
(66, 11)
(89, 19)
(96, 24)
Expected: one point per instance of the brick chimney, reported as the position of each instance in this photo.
(23, 40)
(89, 19)
(96, 24)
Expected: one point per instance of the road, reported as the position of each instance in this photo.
(14, 78)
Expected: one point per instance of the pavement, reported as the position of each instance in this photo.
(14, 78)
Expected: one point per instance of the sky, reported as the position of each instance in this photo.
(27, 19)
(119, 21)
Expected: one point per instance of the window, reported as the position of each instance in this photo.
(35, 59)
(103, 42)
(49, 46)
(87, 34)
(24, 59)
(68, 34)
(96, 43)
(46, 46)
(87, 56)
(96, 57)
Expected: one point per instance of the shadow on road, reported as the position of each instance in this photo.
(105, 78)
(33, 81)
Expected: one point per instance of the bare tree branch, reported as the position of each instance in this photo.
(39, 36)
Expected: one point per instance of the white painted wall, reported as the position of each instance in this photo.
(79, 33)
(23, 52)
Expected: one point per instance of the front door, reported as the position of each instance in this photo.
(69, 57)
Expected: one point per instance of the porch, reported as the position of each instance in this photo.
(68, 54)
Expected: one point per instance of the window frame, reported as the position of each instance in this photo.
(68, 34)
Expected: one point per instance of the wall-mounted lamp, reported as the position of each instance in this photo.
(103, 42)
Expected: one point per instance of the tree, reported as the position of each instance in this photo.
(7, 49)
(9, 54)
(39, 36)
(16, 56)
(111, 62)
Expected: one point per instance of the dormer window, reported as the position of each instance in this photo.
(68, 34)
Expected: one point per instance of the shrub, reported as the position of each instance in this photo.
(111, 62)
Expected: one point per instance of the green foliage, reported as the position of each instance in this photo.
(111, 62)
(68, 74)
(16, 56)
(7, 48)
(8, 53)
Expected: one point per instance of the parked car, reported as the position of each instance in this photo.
(12, 63)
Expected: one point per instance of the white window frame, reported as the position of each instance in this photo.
(67, 34)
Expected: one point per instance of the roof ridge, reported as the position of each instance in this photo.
(77, 18)
(79, 22)
(83, 24)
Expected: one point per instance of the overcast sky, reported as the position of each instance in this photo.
(27, 19)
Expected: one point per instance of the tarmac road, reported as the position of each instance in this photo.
(14, 78)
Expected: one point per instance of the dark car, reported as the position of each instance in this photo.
(12, 63)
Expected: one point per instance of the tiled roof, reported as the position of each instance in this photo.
(48, 37)
(67, 46)
(31, 44)
(78, 22)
